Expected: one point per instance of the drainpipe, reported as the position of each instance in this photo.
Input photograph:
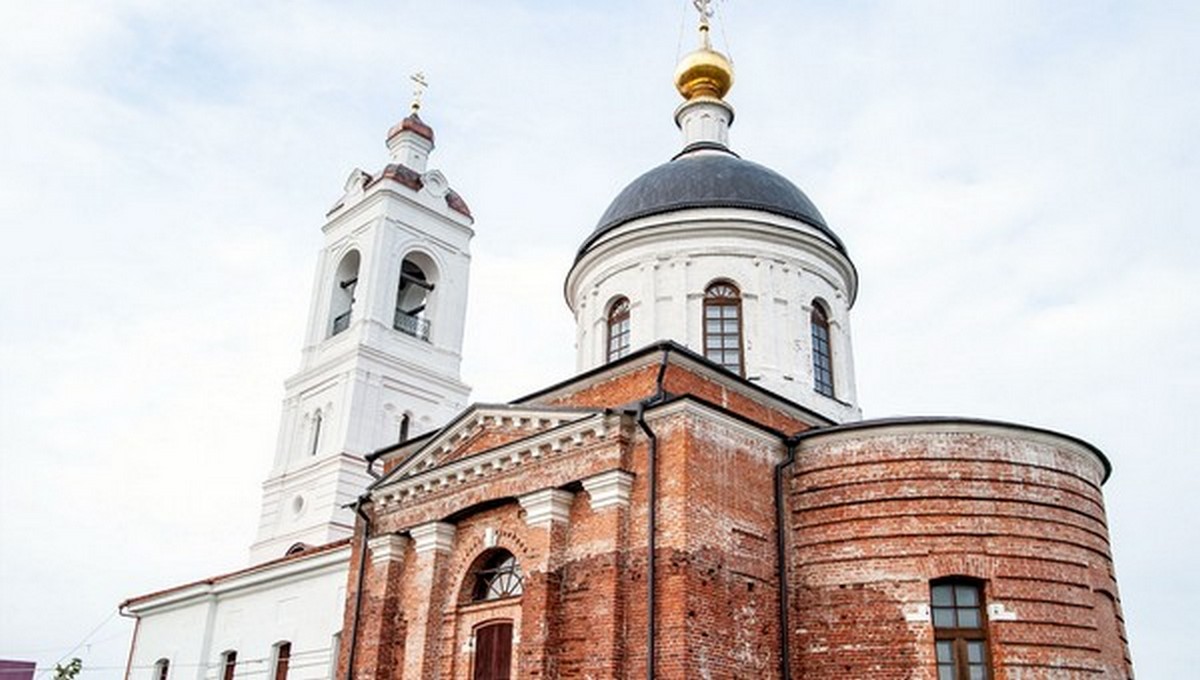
(652, 514)
(785, 661)
(137, 625)
(358, 589)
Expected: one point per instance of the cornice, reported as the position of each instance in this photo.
(425, 476)
(379, 192)
(679, 356)
(708, 222)
(949, 425)
(268, 576)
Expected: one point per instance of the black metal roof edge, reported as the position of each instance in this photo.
(603, 229)
(705, 146)
(675, 398)
(959, 420)
(672, 346)
(379, 453)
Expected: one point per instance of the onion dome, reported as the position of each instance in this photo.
(704, 72)
(412, 123)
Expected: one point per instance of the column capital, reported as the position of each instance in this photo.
(437, 536)
(609, 489)
(387, 548)
(547, 506)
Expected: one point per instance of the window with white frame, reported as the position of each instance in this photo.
(618, 328)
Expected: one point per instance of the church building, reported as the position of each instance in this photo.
(702, 499)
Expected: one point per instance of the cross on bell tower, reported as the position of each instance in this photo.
(419, 87)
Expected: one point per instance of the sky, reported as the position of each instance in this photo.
(1016, 182)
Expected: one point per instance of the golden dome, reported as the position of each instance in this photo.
(704, 73)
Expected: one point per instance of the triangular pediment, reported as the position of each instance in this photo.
(483, 427)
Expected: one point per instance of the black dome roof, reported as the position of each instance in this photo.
(709, 180)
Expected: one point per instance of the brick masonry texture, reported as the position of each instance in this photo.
(877, 514)
(873, 514)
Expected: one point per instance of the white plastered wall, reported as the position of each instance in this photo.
(663, 265)
(300, 601)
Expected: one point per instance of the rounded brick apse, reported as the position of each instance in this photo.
(960, 548)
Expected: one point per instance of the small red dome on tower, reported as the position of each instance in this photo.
(412, 123)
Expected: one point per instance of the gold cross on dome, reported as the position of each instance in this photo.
(419, 87)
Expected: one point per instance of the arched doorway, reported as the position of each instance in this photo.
(489, 615)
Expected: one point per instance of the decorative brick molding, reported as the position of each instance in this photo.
(609, 489)
(433, 536)
(426, 476)
(547, 506)
(387, 548)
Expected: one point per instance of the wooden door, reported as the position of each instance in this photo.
(493, 651)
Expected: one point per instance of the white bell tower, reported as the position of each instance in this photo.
(381, 355)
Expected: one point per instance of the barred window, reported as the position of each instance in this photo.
(723, 325)
(618, 328)
(960, 634)
(822, 357)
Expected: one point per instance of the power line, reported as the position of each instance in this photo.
(296, 660)
(82, 642)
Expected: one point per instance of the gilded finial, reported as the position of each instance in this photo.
(419, 86)
(704, 72)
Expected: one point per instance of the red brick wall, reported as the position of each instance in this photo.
(718, 564)
(594, 593)
(877, 514)
(679, 380)
(874, 514)
(617, 390)
(641, 383)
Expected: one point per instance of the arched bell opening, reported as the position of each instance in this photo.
(415, 296)
(345, 280)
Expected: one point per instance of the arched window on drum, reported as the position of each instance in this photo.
(723, 325)
(618, 328)
(822, 353)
